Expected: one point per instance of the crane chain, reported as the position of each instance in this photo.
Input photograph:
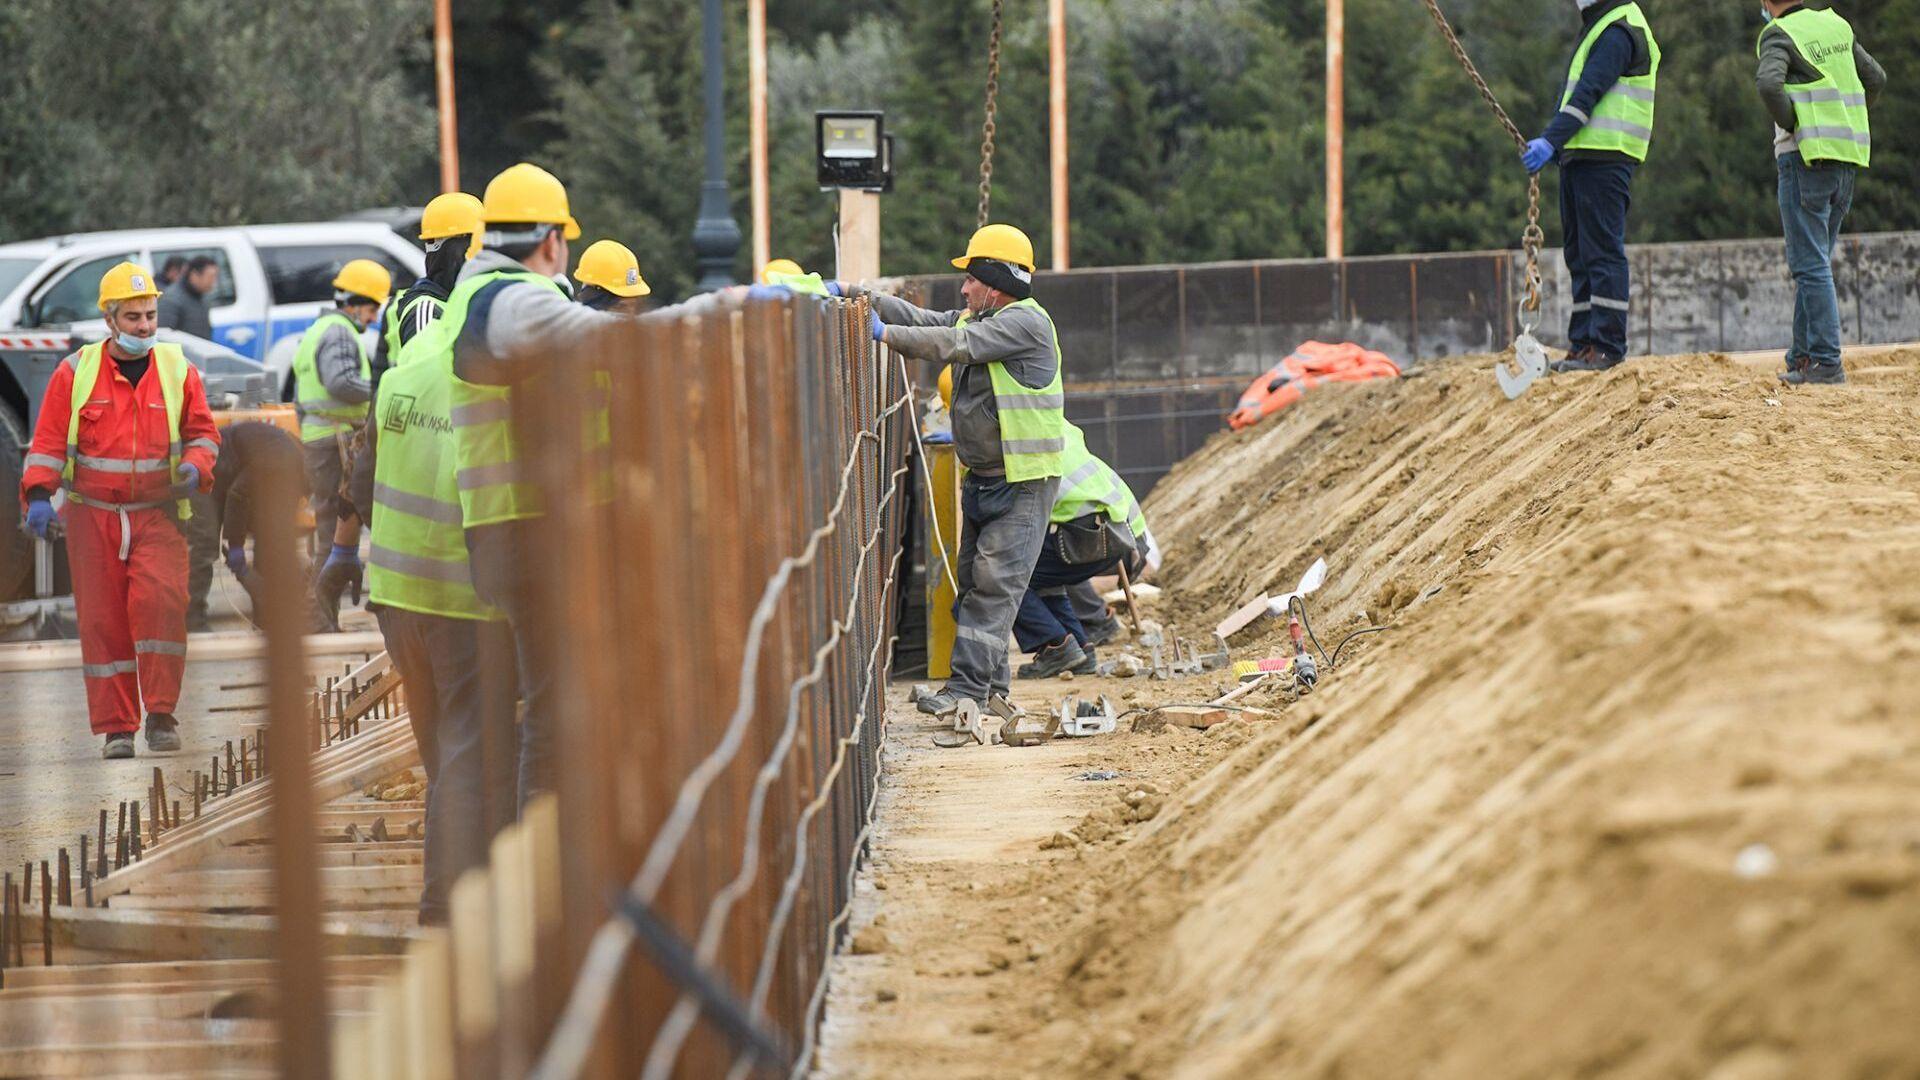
(1532, 238)
(986, 128)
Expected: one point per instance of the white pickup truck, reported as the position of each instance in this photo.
(274, 279)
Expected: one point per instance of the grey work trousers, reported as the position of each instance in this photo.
(499, 553)
(1002, 526)
(323, 469)
(459, 677)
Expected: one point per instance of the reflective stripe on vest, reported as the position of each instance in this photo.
(419, 560)
(170, 364)
(1622, 121)
(399, 310)
(486, 472)
(1832, 111)
(1033, 423)
(322, 417)
(1090, 484)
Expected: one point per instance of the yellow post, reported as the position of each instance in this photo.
(944, 516)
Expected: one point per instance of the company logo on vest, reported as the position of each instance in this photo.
(402, 413)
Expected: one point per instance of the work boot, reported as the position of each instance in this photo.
(1102, 633)
(1795, 363)
(1816, 375)
(1589, 359)
(163, 733)
(1578, 355)
(119, 745)
(198, 622)
(1063, 655)
(939, 703)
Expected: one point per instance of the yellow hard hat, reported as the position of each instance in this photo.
(946, 386)
(779, 268)
(364, 277)
(454, 214)
(611, 265)
(1002, 242)
(528, 193)
(126, 281)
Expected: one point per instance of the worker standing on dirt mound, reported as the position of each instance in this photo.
(1600, 135)
(1817, 83)
(449, 231)
(1009, 431)
(506, 317)
(125, 428)
(1096, 526)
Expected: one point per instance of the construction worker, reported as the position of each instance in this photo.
(449, 231)
(1600, 135)
(609, 279)
(454, 652)
(333, 381)
(1818, 83)
(1009, 431)
(1096, 526)
(125, 429)
(507, 317)
(786, 274)
(247, 452)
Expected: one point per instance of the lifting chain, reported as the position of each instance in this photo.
(1532, 238)
(986, 129)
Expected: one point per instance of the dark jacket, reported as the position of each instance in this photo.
(243, 447)
(1781, 63)
(184, 310)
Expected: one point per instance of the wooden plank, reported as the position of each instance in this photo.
(190, 935)
(193, 1056)
(260, 856)
(58, 655)
(397, 751)
(1193, 716)
(60, 1018)
(1240, 619)
(181, 971)
(265, 899)
(331, 877)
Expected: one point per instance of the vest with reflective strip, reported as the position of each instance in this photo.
(419, 558)
(170, 365)
(1089, 484)
(1033, 423)
(1832, 111)
(811, 284)
(398, 311)
(321, 417)
(1623, 120)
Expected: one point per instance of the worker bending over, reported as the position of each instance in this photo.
(1096, 527)
(1817, 83)
(1009, 431)
(1599, 136)
(125, 429)
(454, 652)
(609, 279)
(333, 381)
(506, 321)
(249, 452)
(449, 231)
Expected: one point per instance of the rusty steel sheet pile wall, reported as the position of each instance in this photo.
(724, 622)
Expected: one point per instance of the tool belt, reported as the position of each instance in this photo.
(1091, 540)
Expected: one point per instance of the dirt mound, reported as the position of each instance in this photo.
(1631, 786)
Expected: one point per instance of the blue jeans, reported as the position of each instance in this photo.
(1594, 199)
(1814, 200)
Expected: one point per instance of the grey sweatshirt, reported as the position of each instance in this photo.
(337, 361)
(1020, 338)
(512, 325)
(1781, 63)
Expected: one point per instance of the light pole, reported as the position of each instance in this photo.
(716, 236)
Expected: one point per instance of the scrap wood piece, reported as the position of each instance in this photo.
(1193, 716)
(1242, 618)
(193, 935)
(181, 1056)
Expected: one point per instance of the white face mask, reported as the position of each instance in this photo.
(1585, 4)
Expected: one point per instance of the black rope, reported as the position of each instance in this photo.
(1357, 633)
(673, 956)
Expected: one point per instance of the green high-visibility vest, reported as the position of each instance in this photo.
(170, 364)
(321, 417)
(811, 284)
(1033, 423)
(419, 558)
(1623, 120)
(1831, 110)
(399, 310)
(1089, 485)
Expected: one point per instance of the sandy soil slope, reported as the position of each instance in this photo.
(1630, 787)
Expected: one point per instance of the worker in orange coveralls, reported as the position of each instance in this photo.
(125, 429)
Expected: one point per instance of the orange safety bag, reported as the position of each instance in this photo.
(1312, 364)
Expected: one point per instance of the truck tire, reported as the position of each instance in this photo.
(16, 548)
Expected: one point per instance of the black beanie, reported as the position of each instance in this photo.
(1003, 276)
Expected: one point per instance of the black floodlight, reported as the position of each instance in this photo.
(852, 148)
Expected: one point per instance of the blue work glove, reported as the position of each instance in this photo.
(343, 556)
(939, 438)
(834, 289)
(768, 292)
(879, 328)
(39, 517)
(1536, 155)
(237, 559)
(189, 479)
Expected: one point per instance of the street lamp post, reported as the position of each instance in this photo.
(716, 236)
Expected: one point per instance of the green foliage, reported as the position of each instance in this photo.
(197, 112)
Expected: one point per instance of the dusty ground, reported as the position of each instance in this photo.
(1629, 787)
